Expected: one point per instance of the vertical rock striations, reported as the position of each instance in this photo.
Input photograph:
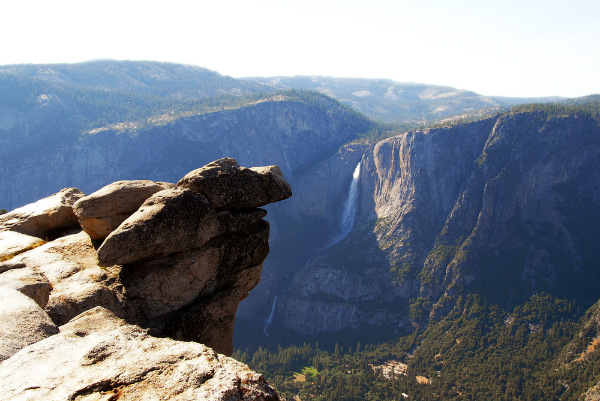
(169, 260)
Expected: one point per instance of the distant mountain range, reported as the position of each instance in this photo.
(140, 77)
(112, 91)
(400, 102)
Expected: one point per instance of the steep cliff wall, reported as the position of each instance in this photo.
(153, 260)
(504, 207)
(525, 220)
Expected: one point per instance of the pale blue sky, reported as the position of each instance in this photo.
(495, 47)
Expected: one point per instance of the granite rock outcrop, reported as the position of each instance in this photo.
(158, 263)
(103, 211)
(98, 356)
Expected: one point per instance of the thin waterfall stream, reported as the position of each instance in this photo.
(349, 211)
(345, 226)
(269, 320)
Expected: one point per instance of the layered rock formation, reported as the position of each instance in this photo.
(87, 283)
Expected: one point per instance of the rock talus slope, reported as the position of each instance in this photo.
(97, 290)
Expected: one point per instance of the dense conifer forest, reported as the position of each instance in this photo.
(539, 351)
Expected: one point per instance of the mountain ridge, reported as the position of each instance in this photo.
(147, 77)
(386, 100)
(278, 129)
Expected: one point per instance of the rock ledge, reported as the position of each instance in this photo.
(99, 291)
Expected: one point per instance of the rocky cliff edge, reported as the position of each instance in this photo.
(120, 294)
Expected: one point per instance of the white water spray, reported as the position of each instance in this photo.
(349, 211)
(270, 318)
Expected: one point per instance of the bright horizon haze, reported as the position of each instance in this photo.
(523, 48)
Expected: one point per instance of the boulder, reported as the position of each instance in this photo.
(176, 266)
(148, 292)
(29, 282)
(13, 243)
(170, 222)
(228, 186)
(104, 210)
(47, 217)
(210, 318)
(171, 283)
(70, 265)
(163, 294)
(98, 356)
(22, 322)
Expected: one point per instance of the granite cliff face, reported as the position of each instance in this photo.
(84, 307)
(505, 207)
(293, 133)
(524, 223)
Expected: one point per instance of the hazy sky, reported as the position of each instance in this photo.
(494, 47)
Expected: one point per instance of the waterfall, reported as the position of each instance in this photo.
(347, 221)
(270, 318)
(349, 210)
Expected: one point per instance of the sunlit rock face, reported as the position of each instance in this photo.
(176, 265)
(99, 356)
